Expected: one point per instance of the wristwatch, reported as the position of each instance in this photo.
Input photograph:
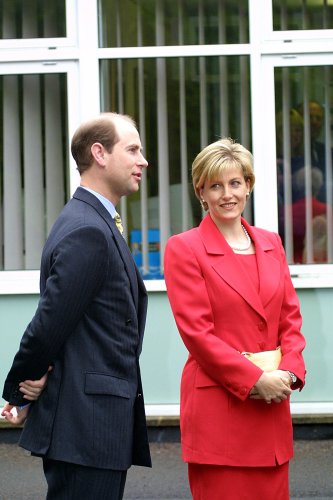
(292, 377)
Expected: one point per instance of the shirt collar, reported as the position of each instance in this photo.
(105, 202)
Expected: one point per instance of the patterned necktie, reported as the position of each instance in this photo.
(118, 222)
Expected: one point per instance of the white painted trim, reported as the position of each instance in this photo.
(27, 282)
(34, 67)
(33, 43)
(172, 410)
(87, 15)
(155, 285)
(19, 282)
(287, 47)
(42, 55)
(174, 51)
(300, 35)
(311, 408)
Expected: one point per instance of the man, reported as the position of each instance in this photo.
(89, 423)
(318, 148)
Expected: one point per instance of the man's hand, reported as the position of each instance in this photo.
(32, 389)
(272, 386)
(14, 415)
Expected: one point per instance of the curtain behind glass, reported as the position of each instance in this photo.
(32, 19)
(33, 164)
(202, 22)
(302, 14)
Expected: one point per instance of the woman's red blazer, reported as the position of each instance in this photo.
(220, 313)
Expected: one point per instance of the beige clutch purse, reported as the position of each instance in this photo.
(266, 360)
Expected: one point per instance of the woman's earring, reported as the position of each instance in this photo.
(204, 204)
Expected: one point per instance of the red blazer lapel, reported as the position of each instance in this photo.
(225, 263)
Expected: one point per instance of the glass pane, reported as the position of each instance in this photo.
(33, 164)
(32, 19)
(131, 23)
(180, 105)
(302, 14)
(304, 162)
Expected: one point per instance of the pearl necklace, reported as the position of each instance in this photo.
(249, 241)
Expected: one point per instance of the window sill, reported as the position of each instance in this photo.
(27, 283)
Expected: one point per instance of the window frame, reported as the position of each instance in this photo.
(27, 281)
(303, 275)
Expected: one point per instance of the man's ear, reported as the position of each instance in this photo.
(98, 152)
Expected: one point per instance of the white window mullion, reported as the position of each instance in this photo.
(142, 130)
(120, 96)
(223, 73)
(183, 128)
(88, 62)
(120, 83)
(244, 78)
(203, 81)
(162, 136)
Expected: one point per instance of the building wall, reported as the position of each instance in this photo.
(163, 353)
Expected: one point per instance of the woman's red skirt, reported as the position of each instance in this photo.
(219, 482)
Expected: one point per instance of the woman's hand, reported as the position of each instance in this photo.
(14, 415)
(272, 386)
(32, 389)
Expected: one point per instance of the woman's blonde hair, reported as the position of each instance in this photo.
(218, 157)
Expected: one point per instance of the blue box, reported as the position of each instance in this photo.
(154, 255)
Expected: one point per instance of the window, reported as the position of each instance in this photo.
(304, 162)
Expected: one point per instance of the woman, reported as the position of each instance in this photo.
(230, 291)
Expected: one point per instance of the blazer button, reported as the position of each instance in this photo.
(128, 321)
(243, 391)
(261, 326)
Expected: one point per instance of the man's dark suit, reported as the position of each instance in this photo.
(89, 325)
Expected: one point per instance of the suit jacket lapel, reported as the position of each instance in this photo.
(226, 265)
(124, 251)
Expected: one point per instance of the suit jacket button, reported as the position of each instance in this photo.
(128, 321)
